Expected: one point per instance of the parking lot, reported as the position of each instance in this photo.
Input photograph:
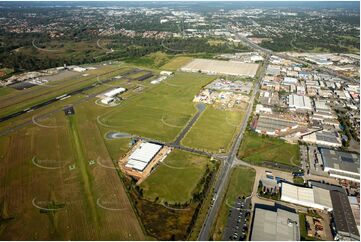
(236, 228)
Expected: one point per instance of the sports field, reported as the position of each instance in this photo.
(257, 149)
(214, 130)
(176, 178)
(240, 184)
(160, 112)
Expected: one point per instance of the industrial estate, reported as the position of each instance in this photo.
(180, 121)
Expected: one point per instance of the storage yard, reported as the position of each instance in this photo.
(218, 67)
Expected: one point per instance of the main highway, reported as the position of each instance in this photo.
(222, 181)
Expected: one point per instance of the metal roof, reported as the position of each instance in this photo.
(145, 152)
(279, 225)
(340, 160)
(343, 217)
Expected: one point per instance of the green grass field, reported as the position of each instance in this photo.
(6, 90)
(176, 63)
(257, 149)
(214, 130)
(176, 178)
(160, 112)
(154, 60)
(240, 184)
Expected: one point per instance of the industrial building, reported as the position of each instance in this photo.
(274, 126)
(315, 197)
(107, 100)
(341, 165)
(343, 218)
(109, 97)
(140, 158)
(114, 92)
(275, 224)
(323, 138)
(299, 103)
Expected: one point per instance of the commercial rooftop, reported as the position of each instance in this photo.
(114, 92)
(342, 214)
(272, 126)
(275, 224)
(340, 164)
(323, 137)
(314, 197)
(299, 102)
(140, 158)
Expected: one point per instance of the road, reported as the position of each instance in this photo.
(220, 185)
(256, 47)
(201, 107)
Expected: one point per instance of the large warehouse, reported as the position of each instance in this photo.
(216, 67)
(299, 103)
(323, 137)
(275, 224)
(274, 126)
(315, 197)
(140, 158)
(341, 165)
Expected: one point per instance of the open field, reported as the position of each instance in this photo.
(166, 221)
(159, 113)
(214, 130)
(257, 149)
(176, 63)
(240, 184)
(48, 177)
(6, 91)
(154, 60)
(176, 178)
(221, 67)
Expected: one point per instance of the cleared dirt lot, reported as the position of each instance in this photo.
(221, 67)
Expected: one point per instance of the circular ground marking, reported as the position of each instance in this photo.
(170, 125)
(116, 135)
(175, 167)
(33, 119)
(110, 202)
(100, 163)
(48, 164)
(42, 205)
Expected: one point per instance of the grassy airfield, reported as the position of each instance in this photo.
(67, 163)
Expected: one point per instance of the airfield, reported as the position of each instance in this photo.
(60, 168)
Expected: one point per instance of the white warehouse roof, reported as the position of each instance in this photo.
(114, 92)
(309, 197)
(140, 158)
(299, 102)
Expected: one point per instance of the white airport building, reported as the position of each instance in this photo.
(114, 92)
(141, 157)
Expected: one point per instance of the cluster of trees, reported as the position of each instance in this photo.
(271, 193)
